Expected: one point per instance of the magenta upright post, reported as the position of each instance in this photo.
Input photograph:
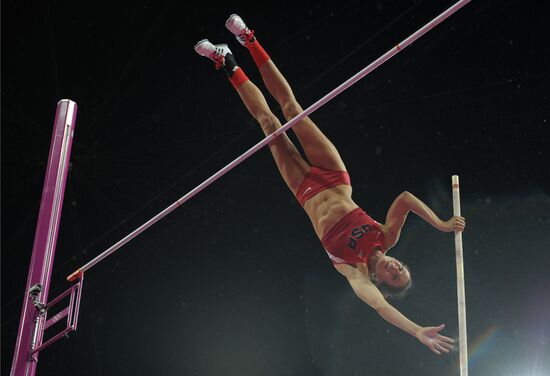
(31, 324)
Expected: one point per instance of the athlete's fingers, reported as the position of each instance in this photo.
(446, 339)
(435, 350)
(441, 348)
(446, 345)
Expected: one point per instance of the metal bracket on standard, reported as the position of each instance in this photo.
(33, 295)
(71, 312)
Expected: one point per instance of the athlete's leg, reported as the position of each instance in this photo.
(291, 164)
(318, 148)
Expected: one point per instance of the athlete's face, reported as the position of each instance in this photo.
(392, 272)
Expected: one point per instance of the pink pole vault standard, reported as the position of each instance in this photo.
(33, 316)
(382, 59)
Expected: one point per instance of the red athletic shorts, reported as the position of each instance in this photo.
(352, 238)
(319, 179)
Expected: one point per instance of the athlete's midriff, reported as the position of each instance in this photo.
(327, 207)
(325, 195)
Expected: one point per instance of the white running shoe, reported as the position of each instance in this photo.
(243, 34)
(215, 52)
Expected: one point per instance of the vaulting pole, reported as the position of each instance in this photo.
(462, 332)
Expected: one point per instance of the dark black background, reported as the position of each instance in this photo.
(235, 282)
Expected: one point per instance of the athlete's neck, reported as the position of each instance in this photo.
(375, 256)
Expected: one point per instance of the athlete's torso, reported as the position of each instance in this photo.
(325, 195)
(327, 207)
(354, 238)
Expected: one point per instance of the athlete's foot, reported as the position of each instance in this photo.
(216, 53)
(243, 34)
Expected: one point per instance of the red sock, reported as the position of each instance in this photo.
(258, 53)
(238, 78)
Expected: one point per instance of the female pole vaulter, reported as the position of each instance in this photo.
(355, 243)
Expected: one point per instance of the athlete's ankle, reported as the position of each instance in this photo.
(259, 55)
(237, 78)
(234, 73)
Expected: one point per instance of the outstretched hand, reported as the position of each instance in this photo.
(456, 223)
(436, 342)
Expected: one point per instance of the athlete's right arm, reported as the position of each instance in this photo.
(369, 293)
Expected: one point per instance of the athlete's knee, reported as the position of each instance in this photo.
(268, 122)
(291, 108)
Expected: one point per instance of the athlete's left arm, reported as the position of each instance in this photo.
(406, 202)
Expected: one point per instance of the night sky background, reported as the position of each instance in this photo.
(235, 282)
